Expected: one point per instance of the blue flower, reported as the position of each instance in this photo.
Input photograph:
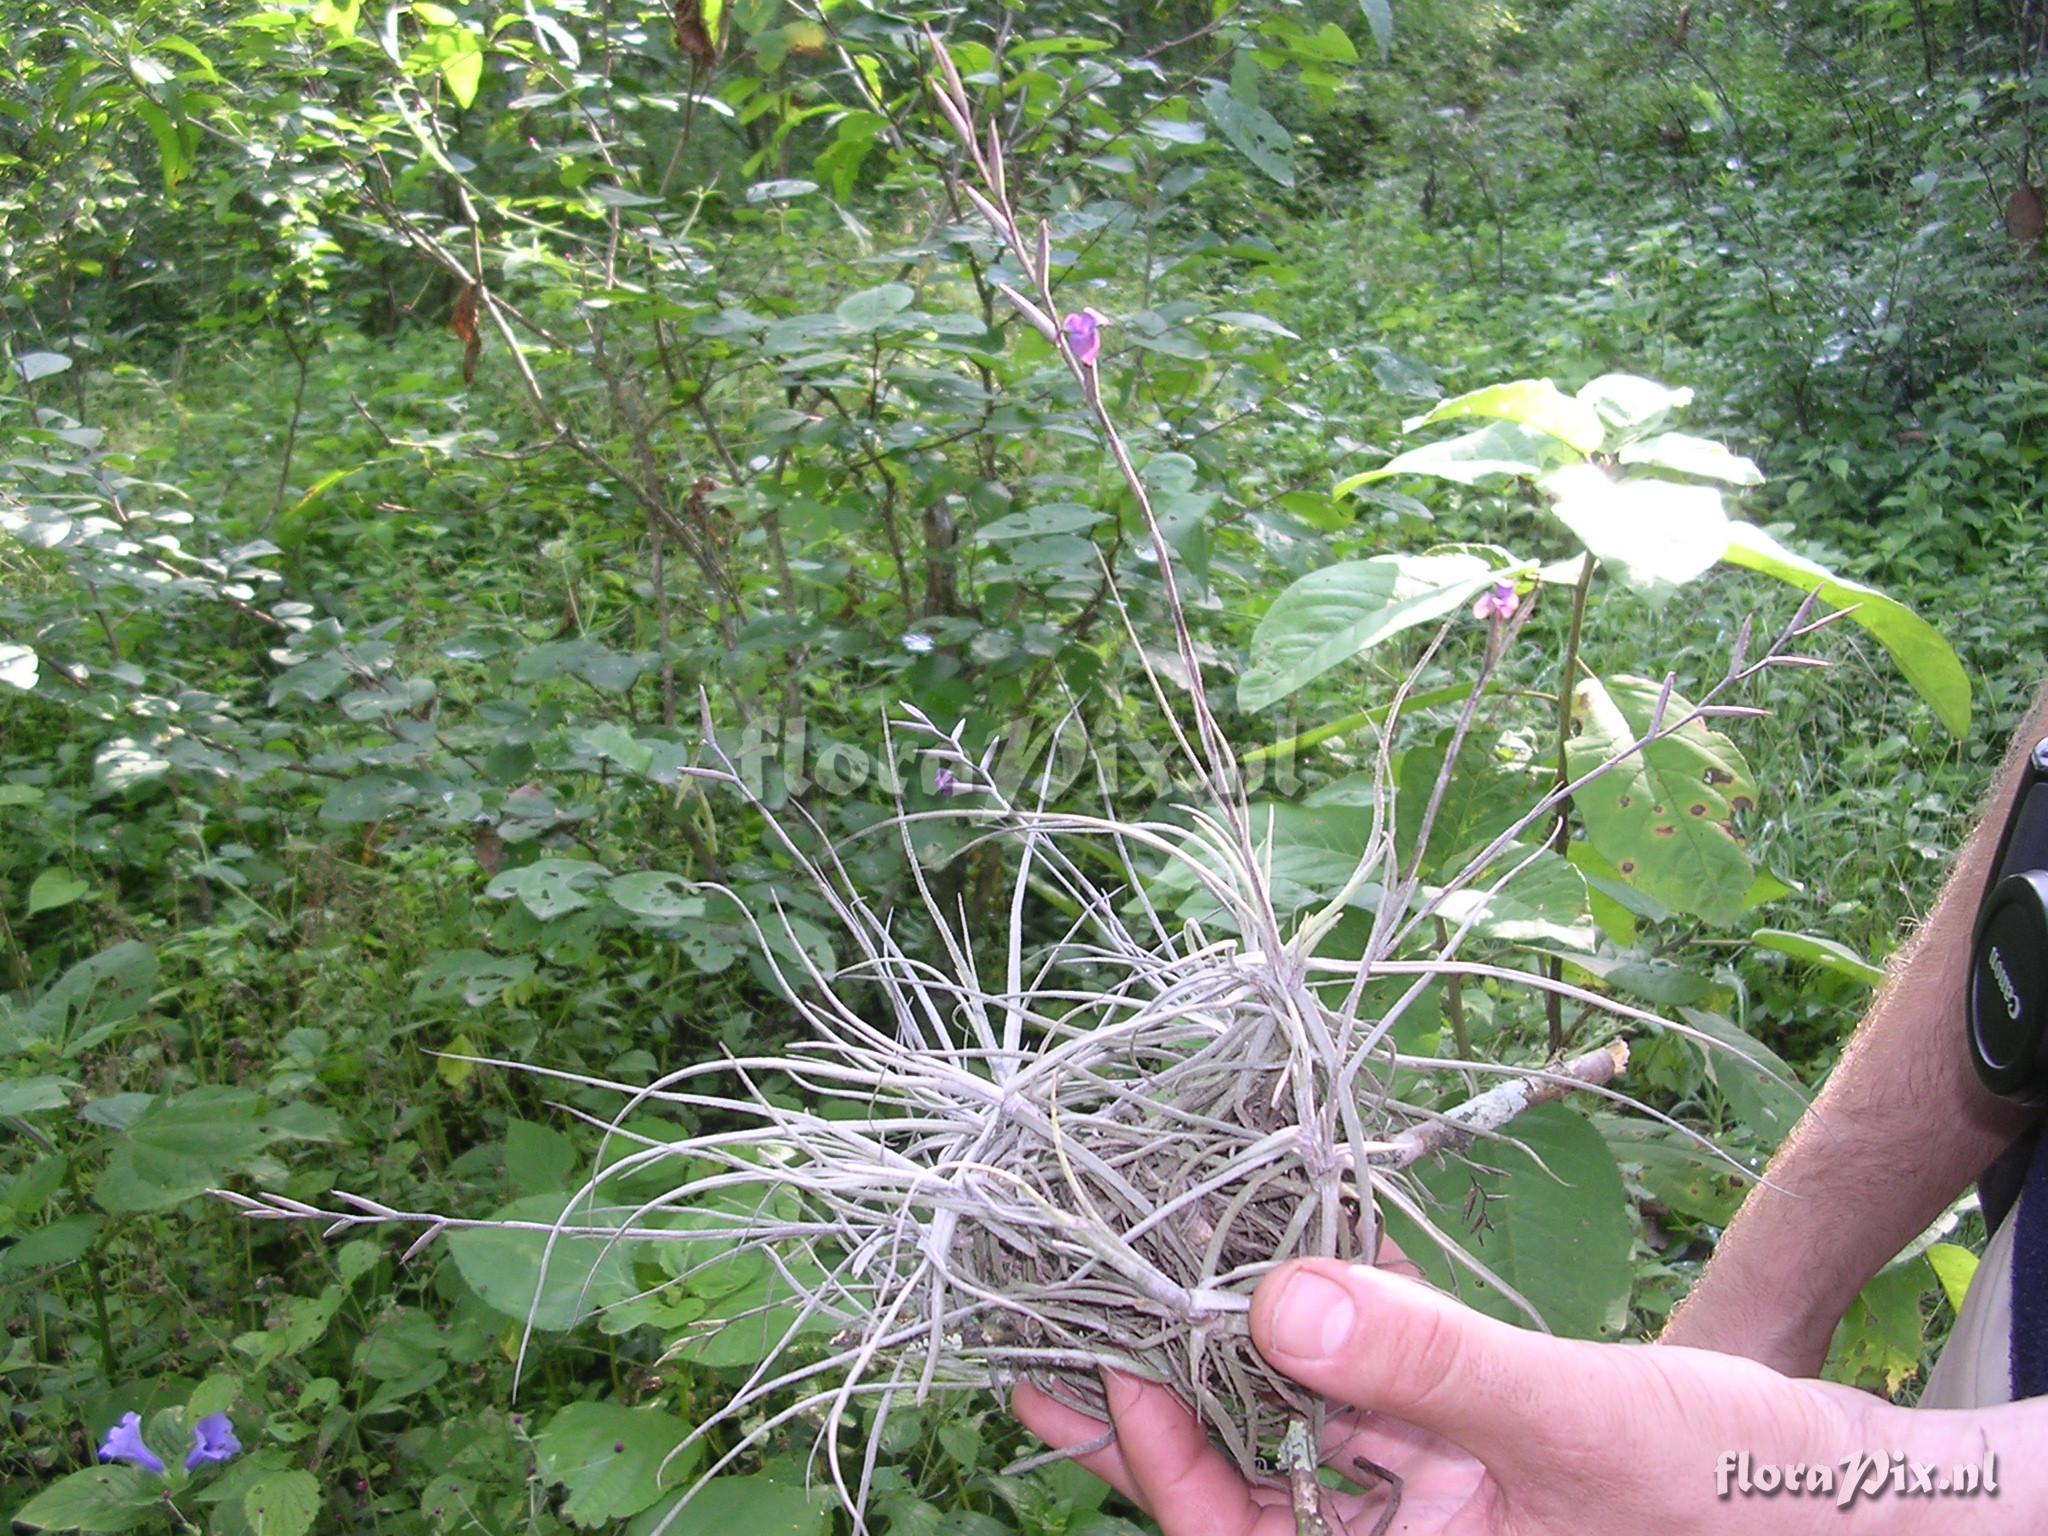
(124, 1443)
(213, 1439)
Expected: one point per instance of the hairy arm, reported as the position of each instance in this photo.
(1900, 1128)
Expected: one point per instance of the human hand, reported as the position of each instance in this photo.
(1499, 1431)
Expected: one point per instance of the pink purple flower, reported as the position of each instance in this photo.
(124, 1443)
(1497, 603)
(945, 784)
(1083, 330)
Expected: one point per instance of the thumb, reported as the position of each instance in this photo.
(1395, 1346)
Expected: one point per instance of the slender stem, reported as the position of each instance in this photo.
(1561, 836)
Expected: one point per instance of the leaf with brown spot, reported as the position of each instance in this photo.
(1692, 862)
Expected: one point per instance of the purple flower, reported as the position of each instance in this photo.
(1084, 336)
(1497, 603)
(124, 1443)
(213, 1439)
(945, 784)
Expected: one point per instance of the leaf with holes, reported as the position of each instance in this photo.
(611, 1457)
(1662, 816)
(548, 887)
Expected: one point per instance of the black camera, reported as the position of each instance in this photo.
(2008, 993)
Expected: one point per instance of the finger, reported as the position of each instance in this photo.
(1061, 1427)
(1380, 1342)
(1184, 1482)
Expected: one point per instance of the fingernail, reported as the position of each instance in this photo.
(1313, 1317)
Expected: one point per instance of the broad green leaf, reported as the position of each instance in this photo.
(610, 1458)
(1331, 615)
(1926, 659)
(1252, 131)
(1653, 533)
(538, 1157)
(19, 667)
(116, 1498)
(1824, 953)
(547, 887)
(873, 308)
(1307, 853)
(1662, 815)
(1502, 448)
(756, 1506)
(1544, 904)
(1955, 1267)
(1556, 1230)
(1882, 1338)
(40, 365)
(1762, 1091)
(1684, 454)
(372, 797)
(747, 1324)
(1379, 16)
(1534, 403)
(32, 1095)
(60, 1242)
(98, 994)
(462, 63)
(1632, 405)
(282, 1503)
(656, 895)
(1674, 1172)
(473, 977)
(1483, 798)
(54, 888)
(180, 1148)
(1039, 522)
(505, 1266)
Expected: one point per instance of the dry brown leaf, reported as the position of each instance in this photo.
(693, 38)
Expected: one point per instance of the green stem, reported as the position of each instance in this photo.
(103, 1326)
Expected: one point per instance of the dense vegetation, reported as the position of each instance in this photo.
(419, 420)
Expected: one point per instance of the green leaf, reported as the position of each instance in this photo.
(1824, 953)
(19, 667)
(172, 160)
(60, 1242)
(872, 308)
(1762, 1092)
(1687, 455)
(1544, 904)
(1653, 533)
(1925, 658)
(54, 888)
(758, 1506)
(1662, 815)
(100, 993)
(474, 977)
(656, 895)
(1534, 403)
(179, 1148)
(1252, 131)
(1955, 1267)
(1331, 615)
(537, 1157)
(282, 1504)
(1379, 16)
(372, 797)
(1676, 1173)
(98, 1499)
(1500, 449)
(547, 887)
(1557, 1230)
(40, 365)
(1039, 522)
(462, 63)
(30, 1095)
(581, 1274)
(610, 1459)
(1632, 405)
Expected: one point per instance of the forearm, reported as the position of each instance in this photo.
(1899, 1129)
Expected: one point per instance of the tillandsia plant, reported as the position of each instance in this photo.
(1044, 1152)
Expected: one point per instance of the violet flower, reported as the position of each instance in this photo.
(945, 785)
(1083, 330)
(213, 1439)
(1497, 603)
(125, 1443)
